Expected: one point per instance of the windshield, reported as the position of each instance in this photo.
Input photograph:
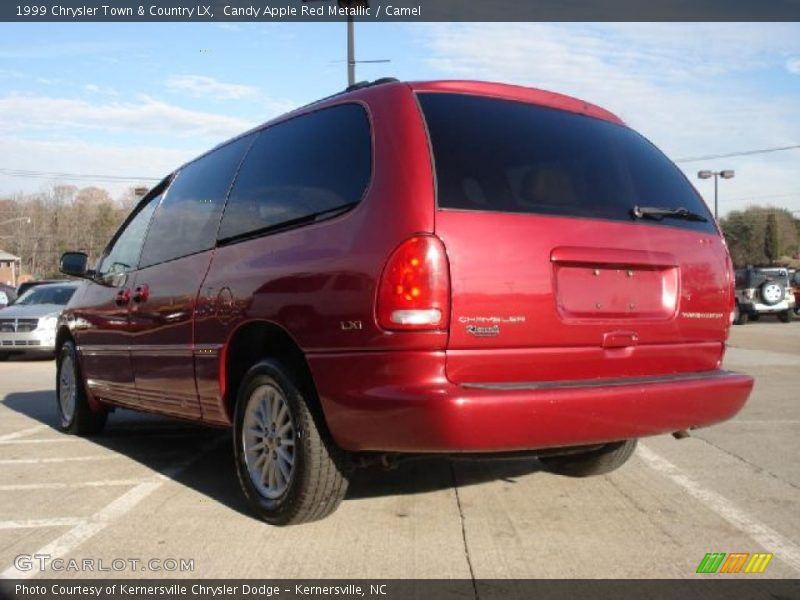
(507, 156)
(46, 295)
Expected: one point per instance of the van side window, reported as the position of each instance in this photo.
(186, 221)
(124, 253)
(310, 164)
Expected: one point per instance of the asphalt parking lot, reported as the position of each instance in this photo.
(151, 488)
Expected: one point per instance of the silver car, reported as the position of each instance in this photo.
(29, 325)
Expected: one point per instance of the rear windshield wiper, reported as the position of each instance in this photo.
(658, 213)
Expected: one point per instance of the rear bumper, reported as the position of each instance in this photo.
(403, 402)
(758, 307)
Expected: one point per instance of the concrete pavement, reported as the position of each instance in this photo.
(151, 488)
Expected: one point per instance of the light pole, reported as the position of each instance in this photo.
(726, 174)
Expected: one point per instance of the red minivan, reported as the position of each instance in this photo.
(410, 268)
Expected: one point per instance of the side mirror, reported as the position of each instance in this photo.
(74, 263)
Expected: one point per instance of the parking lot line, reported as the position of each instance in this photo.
(15, 487)
(61, 440)
(59, 459)
(22, 433)
(783, 548)
(35, 523)
(86, 528)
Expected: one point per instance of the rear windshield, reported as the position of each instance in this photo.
(751, 278)
(507, 156)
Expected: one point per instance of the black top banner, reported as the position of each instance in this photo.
(398, 10)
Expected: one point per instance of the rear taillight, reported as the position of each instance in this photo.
(414, 292)
(731, 287)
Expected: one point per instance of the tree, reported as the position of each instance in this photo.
(62, 217)
(771, 239)
(746, 234)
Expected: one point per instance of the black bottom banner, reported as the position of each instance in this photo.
(375, 589)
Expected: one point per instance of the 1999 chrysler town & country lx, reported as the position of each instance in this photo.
(406, 268)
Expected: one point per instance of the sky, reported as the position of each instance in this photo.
(139, 99)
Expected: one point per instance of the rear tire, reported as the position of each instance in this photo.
(740, 316)
(785, 316)
(754, 317)
(76, 416)
(289, 468)
(597, 462)
(3, 356)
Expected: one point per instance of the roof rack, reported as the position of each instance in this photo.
(355, 86)
(363, 84)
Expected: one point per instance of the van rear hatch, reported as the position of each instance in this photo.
(555, 274)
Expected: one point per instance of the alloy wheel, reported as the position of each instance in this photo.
(268, 439)
(67, 388)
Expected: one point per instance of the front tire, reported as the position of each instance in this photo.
(597, 462)
(76, 416)
(290, 470)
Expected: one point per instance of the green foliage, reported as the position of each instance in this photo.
(771, 239)
(762, 235)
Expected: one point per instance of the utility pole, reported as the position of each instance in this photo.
(351, 51)
(350, 6)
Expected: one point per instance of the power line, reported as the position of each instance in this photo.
(742, 153)
(764, 197)
(72, 176)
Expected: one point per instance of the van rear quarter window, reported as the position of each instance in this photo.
(187, 219)
(307, 165)
(501, 155)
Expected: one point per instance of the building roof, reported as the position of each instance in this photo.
(7, 256)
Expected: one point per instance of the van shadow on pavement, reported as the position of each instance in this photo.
(157, 442)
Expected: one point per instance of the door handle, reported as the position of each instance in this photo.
(620, 339)
(123, 297)
(141, 293)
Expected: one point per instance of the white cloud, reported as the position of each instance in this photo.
(793, 65)
(18, 112)
(685, 86)
(99, 89)
(204, 86)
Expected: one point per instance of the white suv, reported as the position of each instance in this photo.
(763, 291)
